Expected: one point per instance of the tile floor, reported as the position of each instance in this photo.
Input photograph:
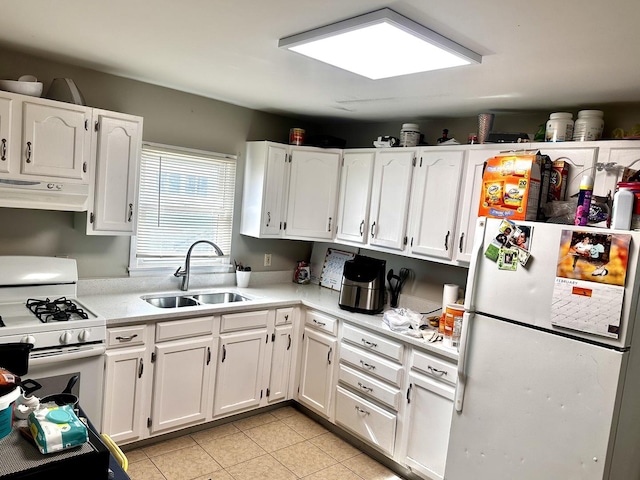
(282, 444)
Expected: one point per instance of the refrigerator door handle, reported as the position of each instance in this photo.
(473, 265)
(462, 357)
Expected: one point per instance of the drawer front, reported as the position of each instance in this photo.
(126, 336)
(371, 423)
(189, 327)
(370, 387)
(373, 342)
(243, 321)
(371, 364)
(434, 367)
(284, 316)
(322, 322)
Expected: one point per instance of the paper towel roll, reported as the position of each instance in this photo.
(449, 294)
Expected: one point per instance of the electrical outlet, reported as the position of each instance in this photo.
(267, 259)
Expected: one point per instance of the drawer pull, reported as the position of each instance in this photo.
(364, 387)
(127, 338)
(367, 366)
(435, 371)
(369, 344)
(360, 410)
(321, 324)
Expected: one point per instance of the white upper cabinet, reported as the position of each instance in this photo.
(313, 189)
(6, 142)
(117, 144)
(355, 194)
(434, 203)
(264, 193)
(390, 198)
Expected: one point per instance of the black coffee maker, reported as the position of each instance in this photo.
(363, 287)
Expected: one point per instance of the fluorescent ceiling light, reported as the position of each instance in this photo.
(380, 44)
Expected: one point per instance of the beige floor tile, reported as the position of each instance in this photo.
(304, 425)
(334, 472)
(303, 458)
(284, 412)
(261, 468)
(144, 470)
(232, 449)
(334, 446)
(214, 433)
(219, 475)
(135, 455)
(368, 468)
(187, 463)
(274, 436)
(255, 421)
(169, 446)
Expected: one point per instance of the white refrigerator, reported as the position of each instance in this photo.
(549, 372)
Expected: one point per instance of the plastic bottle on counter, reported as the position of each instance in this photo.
(584, 200)
(622, 210)
(559, 127)
(588, 125)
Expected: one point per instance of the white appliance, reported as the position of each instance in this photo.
(535, 400)
(38, 305)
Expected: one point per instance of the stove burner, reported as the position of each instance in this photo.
(58, 310)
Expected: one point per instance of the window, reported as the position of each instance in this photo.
(185, 196)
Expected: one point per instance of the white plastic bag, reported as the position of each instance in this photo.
(403, 320)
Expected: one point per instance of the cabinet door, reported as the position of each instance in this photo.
(434, 203)
(281, 349)
(470, 200)
(239, 375)
(612, 166)
(273, 209)
(118, 143)
(313, 186)
(5, 133)
(390, 198)
(56, 141)
(355, 193)
(123, 415)
(181, 383)
(427, 427)
(581, 160)
(317, 371)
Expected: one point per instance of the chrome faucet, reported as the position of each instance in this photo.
(187, 265)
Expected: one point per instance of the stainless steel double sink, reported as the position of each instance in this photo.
(176, 301)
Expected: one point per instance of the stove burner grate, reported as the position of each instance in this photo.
(58, 310)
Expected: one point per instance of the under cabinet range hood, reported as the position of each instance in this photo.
(44, 195)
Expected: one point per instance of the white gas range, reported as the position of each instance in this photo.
(38, 305)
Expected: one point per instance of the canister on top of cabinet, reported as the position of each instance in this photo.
(409, 135)
(559, 127)
(588, 126)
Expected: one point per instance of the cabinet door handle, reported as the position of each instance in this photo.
(28, 152)
(208, 355)
(320, 324)
(364, 387)
(360, 410)
(3, 151)
(289, 346)
(367, 366)
(268, 219)
(409, 393)
(361, 227)
(286, 318)
(461, 242)
(446, 241)
(373, 226)
(130, 212)
(369, 344)
(224, 353)
(435, 371)
(329, 355)
(140, 368)
(127, 338)
(329, 226)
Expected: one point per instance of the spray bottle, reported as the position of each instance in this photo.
(584, 200)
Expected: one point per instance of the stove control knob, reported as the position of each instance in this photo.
(65, 338)
(84, 335)
(29, 339)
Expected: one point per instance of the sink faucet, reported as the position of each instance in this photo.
(187, 265)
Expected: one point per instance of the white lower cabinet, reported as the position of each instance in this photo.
(281, 354)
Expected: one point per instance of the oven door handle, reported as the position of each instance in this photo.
(45, 357)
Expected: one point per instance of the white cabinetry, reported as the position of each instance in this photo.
(390, 198)
(281, 352)
(317, 365)
(430, 406)
(434, 203)
(6, 144)
(117, 144)
(182, 370)
(127, 379)
(355, 194)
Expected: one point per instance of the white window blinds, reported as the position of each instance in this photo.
(185, 196)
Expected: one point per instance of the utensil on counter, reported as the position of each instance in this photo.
(396, 282)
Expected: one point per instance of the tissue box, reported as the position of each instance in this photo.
(57, 428)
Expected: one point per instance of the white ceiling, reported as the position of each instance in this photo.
(537, 55)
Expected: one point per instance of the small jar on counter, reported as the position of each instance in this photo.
(559, 127)
(588, 126)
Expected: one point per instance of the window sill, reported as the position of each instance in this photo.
(158, 271)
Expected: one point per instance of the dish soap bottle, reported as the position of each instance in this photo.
(584, 200)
